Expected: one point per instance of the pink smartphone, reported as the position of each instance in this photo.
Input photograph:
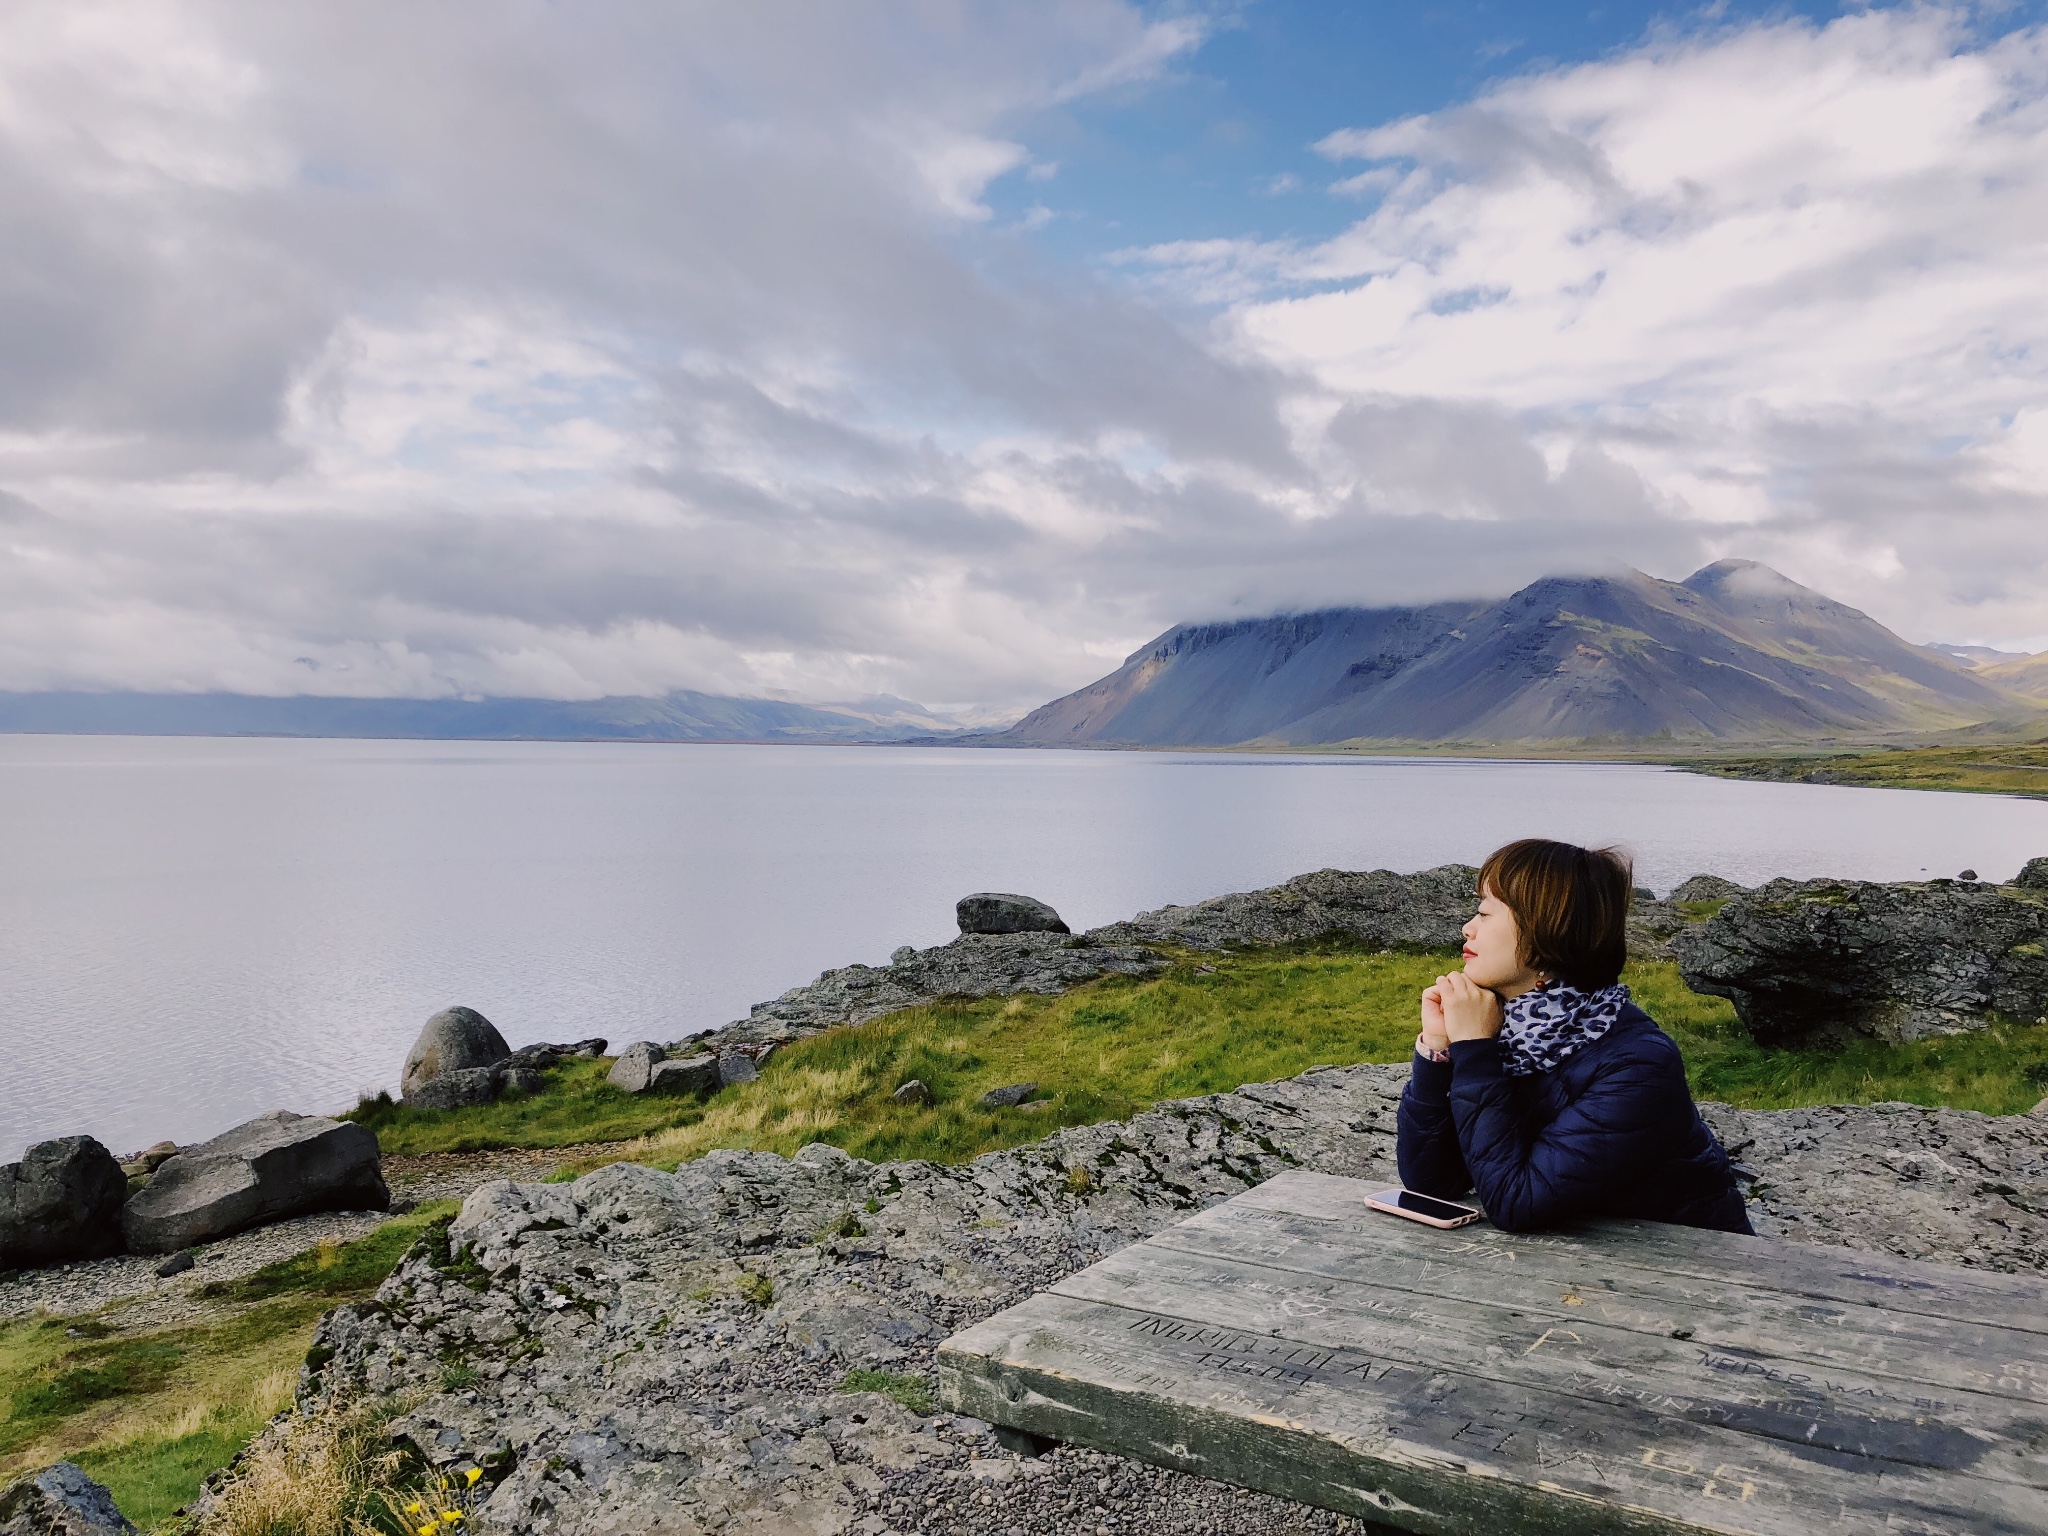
(1431, 1213)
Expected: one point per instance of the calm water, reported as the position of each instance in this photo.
(194, 931)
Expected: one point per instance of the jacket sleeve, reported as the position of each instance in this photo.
(1534, 1176)
(1426, 1138)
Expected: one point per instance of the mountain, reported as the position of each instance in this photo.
(1979, 657)
(679, 716)
(1734, 652)
(2026, 676)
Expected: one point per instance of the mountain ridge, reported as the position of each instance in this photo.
(681, 715)
(1735, 652)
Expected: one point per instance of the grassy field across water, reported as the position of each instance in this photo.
(1988, 770)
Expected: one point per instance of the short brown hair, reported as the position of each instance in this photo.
(1570, 905)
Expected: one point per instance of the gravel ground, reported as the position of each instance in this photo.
(148, 1301)
(131, 1281)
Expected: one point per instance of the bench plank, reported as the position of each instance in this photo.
(1727, 1314)
(1863, 1416)
(1473, 1381)
(1880, 1280)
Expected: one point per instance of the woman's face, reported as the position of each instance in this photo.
(1493, 950)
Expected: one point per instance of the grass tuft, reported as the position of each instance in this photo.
(913, 1392)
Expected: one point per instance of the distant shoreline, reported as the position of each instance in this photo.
(2019, 770)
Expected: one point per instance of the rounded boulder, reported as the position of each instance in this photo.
(454, 1040)
(1004, 912)
(61, 1202)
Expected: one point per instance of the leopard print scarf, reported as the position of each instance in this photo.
(1544, 1026)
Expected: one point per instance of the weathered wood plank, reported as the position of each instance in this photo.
(1575, 1357)
(1428, 1451)
(1726, 1315)
(1617, 1377)
(1800, 1269)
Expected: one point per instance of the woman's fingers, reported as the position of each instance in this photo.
(1470, 1011)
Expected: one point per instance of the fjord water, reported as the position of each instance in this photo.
(193, 931)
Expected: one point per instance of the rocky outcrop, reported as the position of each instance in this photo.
(1702, 890)
(539, 1058)
(973, 965)
(1001, 912)
(60, 1500)
(274, 1166)
(1836, 960)
(453, 1040)
(649, 1350)
(457, 1034)
(61, 1202)
(1378, 909)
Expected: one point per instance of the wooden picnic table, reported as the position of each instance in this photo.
(1614, 1376)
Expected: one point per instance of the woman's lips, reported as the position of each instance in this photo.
(1471, 954)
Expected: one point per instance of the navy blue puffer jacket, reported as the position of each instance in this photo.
(1609, 1131)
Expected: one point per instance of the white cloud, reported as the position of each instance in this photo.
(516, 349)
(1763, 269)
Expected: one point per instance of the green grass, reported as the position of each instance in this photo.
(577, 1106)
(151, 1412)
(913, 1392)
(1115, 1047)
(1988, 770)
(1104, 1051)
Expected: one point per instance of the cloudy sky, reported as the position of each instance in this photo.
(952, 350)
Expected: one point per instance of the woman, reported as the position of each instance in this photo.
(1537, 1082)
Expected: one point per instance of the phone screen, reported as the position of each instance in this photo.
(1422, 1205)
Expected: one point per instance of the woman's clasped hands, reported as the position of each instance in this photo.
(1458, 1008)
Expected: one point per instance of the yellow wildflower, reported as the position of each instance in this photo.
(474, 1474)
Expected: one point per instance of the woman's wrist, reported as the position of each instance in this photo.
(1430, 1052)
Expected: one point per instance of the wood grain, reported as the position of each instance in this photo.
(1619, 1377)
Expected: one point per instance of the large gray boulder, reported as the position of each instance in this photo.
(1835, 960)
(458, 1089)
(1001, 912)
(60, 1500)
(454, 1040)
(635, 1066)
(61, 1202)
(275, 1166)
(688, 1074)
